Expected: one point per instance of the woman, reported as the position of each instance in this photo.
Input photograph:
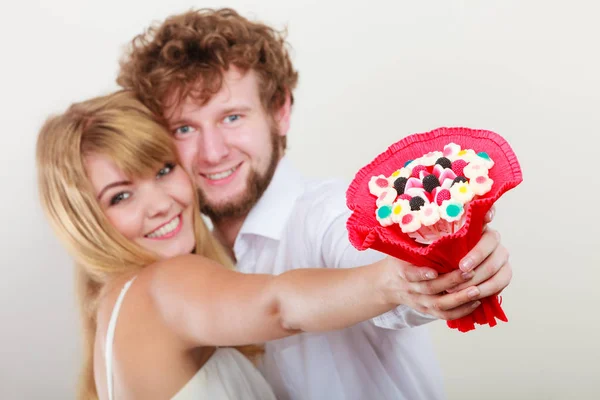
(112, 188)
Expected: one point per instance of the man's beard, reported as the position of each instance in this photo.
(256, 184)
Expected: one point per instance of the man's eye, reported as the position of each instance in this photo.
(231, 118)
(182, 130)
(167, 169)
(119, 197)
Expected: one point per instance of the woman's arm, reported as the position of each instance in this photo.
(208, 304)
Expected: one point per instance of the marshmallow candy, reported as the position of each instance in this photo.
(481, 184)
(410, 222)
(462, 192)
(384, 215)
(402, 172)
(430, 158)
(446, 178)
(485, 158)
(399, 209)
(387, 197)
(451, 210)
(378, 184)
(475, 169)
(450, 151)
(429, 214)
(466, 154)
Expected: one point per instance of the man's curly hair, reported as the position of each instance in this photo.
(188, 53)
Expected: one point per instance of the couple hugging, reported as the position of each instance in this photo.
(273, 302)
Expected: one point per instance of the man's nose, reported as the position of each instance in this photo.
(212, 146)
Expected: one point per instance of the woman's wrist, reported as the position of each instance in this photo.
(391, 284)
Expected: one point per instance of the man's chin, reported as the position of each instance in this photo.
(233, 207)
(226, 210)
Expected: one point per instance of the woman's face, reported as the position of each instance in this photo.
(154, 212)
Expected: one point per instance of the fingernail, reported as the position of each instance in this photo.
(490, 215)
(429, 275)
(467, 264)
(473, 292)
(476, 304)
(467, 275)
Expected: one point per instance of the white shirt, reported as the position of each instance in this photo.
(299, 223)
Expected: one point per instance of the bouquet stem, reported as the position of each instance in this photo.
(486, 313)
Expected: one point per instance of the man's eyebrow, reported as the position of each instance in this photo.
(234, 109)
(226, 111)
(179, 121)
(112, 185)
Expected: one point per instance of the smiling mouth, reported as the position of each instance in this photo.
(221, 175)
(166, 230)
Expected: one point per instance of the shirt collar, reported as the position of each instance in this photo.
(267, 218)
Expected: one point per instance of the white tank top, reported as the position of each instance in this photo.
(227, 375)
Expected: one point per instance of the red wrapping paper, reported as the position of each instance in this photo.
(445, 253)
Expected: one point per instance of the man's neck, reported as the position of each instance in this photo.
(226, 231)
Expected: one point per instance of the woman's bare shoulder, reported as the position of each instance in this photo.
(163, 271)
(180, 268)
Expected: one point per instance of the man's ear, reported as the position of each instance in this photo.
(283, 115)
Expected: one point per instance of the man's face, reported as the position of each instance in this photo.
(230, 145)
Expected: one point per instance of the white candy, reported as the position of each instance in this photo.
(462, 192)
(451, 205)
(429, 214)
(481, 184)
(374, 188)
(430, 158)
(399, 209)
(467, 155)
(413, 183)
(488, 162)
(451, 150)
(475, 169)
(446, 178)
(410, 222)
(387, 197)
(401, 173)
(384, 221)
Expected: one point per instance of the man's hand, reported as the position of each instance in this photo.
(483, 272)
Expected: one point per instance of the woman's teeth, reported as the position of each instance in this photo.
(165, 229)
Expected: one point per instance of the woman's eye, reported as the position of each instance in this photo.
(119, 197)
(231, 118)
(167, 169)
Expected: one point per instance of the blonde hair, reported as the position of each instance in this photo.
(122, 128)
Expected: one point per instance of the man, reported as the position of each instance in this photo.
(225, 88)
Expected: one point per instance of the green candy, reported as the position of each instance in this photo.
(453, 210)
(384, 212)
(483, 154)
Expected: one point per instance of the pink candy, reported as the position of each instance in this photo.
(442, 195)
(458, 166)
(416, 170)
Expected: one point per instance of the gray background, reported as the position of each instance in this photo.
(370, 73)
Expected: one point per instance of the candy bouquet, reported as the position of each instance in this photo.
(424, 201)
